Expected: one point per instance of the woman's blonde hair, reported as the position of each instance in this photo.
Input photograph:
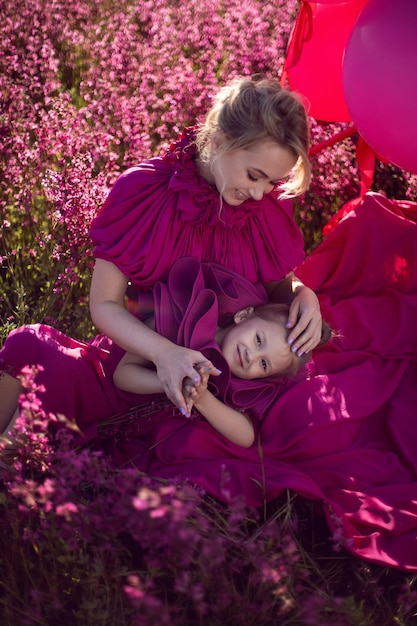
(249, 111)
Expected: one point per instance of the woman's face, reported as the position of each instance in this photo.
(255, 347)
(250, 173)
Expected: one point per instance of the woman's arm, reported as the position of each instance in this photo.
(173, 363)
(304, 317)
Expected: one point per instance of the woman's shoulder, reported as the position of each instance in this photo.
(174, 168)
(150, 170)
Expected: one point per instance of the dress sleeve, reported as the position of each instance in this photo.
(127, 223)
(277, 238)
(160, 212)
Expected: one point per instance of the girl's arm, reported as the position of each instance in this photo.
(173, 363)
(304, 317)
(235, 426)
(133, 374)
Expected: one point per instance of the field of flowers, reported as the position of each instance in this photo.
(89, 88)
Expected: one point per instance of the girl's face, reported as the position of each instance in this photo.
(255, 347)
(250, 173)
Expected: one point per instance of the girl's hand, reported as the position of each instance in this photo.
(305, 320)
(192, 391)
(174, 364)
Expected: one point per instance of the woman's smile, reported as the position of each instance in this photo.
(250, 173)
(240, 195)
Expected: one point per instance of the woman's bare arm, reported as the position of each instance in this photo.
(173, 363)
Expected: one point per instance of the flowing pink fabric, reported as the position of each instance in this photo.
(76, 376)
(346, 433)
(343, 434)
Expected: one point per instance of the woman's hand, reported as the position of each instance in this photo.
(304, 320)
(174, 364)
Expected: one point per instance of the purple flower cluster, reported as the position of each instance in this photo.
(79, 538)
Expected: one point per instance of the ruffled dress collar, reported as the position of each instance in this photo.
(201, 202)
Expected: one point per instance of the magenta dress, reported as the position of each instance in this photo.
(163, 210)
(342, 433)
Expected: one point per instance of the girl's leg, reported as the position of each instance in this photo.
(10, 390)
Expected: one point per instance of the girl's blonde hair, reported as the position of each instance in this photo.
(249, 111)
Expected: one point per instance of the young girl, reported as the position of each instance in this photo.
(255, 346)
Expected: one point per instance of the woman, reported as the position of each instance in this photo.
(214, 197)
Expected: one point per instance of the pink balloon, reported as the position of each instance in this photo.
(313, 63)
(380, 79)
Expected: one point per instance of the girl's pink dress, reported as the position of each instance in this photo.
(343, 433)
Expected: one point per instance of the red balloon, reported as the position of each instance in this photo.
(313, 63)
(380, 79)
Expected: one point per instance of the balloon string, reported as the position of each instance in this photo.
(365, 158)
(343, 134)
